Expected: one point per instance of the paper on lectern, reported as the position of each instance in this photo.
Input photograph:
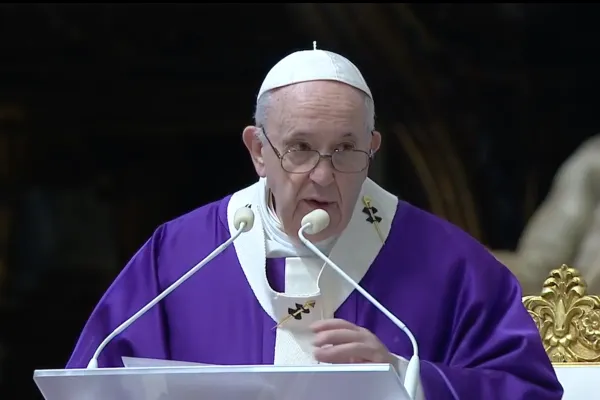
(137, 362)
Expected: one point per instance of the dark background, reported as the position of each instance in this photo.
(116, 118)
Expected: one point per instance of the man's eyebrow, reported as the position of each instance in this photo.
(302, 135)
(294, 136)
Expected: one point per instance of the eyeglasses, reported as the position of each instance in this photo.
(304, 161)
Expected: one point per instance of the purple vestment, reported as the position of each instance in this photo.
(463, 306)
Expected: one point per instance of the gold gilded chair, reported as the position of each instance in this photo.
(567, 317)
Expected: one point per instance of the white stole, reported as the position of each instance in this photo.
(355, 250)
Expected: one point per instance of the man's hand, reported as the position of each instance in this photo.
(340, 342)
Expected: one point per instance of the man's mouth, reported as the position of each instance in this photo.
(318, 203)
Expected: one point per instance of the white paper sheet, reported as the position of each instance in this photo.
(136, 362)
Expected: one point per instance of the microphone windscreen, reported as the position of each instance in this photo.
(244, 215)
(318, 220)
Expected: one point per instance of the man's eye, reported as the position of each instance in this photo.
(299, 147)
(346, 146)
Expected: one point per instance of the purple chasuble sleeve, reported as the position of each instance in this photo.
(492, 347)
(496, 351)
(135, 286)
(213, 317)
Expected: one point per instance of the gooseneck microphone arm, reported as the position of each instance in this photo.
(313, 223)
(243, 222)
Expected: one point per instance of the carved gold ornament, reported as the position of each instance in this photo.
(567, 318)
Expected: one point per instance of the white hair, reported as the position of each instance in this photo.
(263, 105)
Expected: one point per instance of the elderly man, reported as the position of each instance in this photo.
(312, 143)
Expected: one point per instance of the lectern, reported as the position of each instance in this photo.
(256, 382)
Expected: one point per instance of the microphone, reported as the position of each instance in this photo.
(243, 220)
(315, 222)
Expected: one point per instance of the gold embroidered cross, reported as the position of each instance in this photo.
(373, 218)
(297, 312)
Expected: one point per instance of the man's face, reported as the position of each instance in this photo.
(324, 116)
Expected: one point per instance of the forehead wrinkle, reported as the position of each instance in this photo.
(283, 121)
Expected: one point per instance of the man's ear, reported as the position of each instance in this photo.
(251, 139)
(375, 141)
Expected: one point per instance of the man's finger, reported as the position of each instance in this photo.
(344, 353)
(336, 337)
(331, 324)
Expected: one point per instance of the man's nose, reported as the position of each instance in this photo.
(322, 174)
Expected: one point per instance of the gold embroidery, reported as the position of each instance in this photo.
(297, 312)
(373, 218)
